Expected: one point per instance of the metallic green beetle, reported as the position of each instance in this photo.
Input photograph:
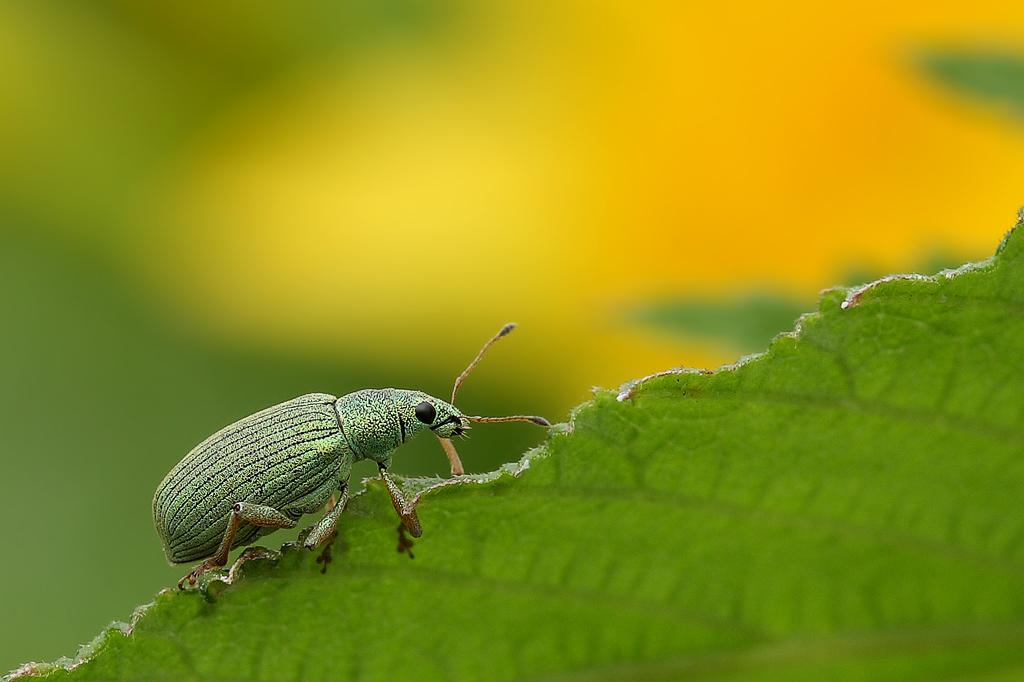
(265, 471)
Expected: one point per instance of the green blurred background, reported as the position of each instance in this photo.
(208, 208)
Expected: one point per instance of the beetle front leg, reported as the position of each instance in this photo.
(405, 512)
(323, 529)
(257, 514)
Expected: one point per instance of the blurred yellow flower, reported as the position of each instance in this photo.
(550, 163)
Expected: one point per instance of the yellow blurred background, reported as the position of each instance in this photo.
(345, 194)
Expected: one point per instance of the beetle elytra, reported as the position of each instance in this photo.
(265, 471)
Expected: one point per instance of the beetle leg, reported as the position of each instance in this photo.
(453, 456)
(323, 529)
(257, 514)
(405, 512)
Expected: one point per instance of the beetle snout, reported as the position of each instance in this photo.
(451, 425)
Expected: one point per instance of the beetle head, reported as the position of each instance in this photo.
(423, 410)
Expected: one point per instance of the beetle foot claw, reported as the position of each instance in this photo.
(194, 574)
(325, 556)
(404, 543)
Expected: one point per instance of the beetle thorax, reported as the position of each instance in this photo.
(371, 423)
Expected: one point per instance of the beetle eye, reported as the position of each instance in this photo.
(425, 412)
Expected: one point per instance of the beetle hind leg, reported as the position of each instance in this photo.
(257, 514)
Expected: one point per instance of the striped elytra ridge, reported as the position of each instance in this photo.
(290, 457)
(254, 459)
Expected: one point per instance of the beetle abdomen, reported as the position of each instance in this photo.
(286, 457)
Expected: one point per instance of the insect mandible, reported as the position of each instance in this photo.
(265, 471)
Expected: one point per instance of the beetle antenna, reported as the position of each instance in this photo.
(504, 330)
(539, 421)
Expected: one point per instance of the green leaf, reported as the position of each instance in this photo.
(746, 323)
(846, 506)
(983, 74)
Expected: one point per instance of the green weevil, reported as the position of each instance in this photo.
(265, 471)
